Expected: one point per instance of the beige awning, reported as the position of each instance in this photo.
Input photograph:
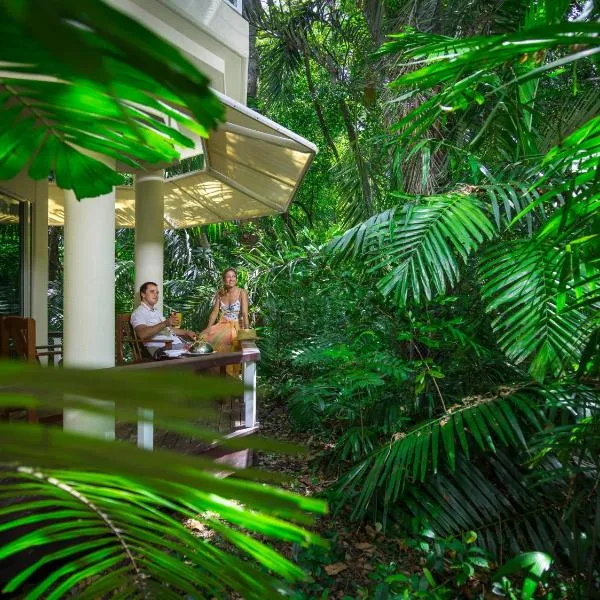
(253, 167)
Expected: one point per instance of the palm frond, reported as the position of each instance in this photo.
(413, 456)
(576, 111)
(91, 526)
(466, 71)
(96, 83)
(78, 511)
(416, 245)
(508, 199)
(494, 499)
(357, 240)
(522, 287)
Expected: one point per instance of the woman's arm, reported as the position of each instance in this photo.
(244, 308)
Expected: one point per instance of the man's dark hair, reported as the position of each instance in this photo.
(144, 287)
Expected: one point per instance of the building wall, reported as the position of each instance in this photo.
(212, 34)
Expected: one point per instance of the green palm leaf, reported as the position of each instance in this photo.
(481, 424)
(89, 526)
(82, 76)
(77, 511)
(416, 246)
(469, 67)
(509, 199)
(493, 498)
(521, 284)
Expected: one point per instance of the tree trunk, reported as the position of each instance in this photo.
(365, 184)
(374, 16)
(373, 10)
(54, 234)
(250, 11)
(318, 109)
(204, 242)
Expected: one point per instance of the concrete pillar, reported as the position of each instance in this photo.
(39, 261)
(149, 260)
(89, 296)
(149, 231)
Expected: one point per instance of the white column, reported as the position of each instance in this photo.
(149, 252)
(149, 230)
(89, 297)
(39, 262)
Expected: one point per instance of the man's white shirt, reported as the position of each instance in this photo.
(144, 315)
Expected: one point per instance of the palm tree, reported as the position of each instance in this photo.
(520, 209)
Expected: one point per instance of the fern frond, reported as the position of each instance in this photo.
(483, 422)
(417, 244)
(522, 288)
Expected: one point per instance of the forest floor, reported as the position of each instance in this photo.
(359, 556)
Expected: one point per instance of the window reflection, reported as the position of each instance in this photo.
(11, 255)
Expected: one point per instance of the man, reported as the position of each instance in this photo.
(151, 326)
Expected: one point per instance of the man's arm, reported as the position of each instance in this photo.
(185, 332)
(145, 332)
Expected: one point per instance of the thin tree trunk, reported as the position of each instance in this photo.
(204, 242)
(365, 184)
(318, 109)
(374, 16)
(250, 11)
(53, 258)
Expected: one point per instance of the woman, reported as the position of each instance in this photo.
(232, 302)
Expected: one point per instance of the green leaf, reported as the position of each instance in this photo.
(418, 254)
(534, 563)
(86, 78)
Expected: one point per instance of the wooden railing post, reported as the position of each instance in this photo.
(249, 380)
(145, 429)
(249, 377)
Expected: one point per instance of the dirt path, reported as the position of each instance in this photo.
(359, 557)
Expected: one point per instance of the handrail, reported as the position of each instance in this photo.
(247, 357)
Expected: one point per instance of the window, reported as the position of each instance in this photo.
(13, 218)
(237, 4)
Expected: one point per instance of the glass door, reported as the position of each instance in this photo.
(12, 255)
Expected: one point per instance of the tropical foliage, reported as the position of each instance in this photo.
(97, 518)
(487, 235)
(428, 307)
(80, 78)
(92, 517)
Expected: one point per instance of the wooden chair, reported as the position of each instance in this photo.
(126, 339)
(17, 338)
(17, 341)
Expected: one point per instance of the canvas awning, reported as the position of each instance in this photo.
(253, 167)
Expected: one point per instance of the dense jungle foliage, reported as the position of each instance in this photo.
(429, 305)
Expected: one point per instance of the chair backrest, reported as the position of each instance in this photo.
(125, 337)
(17, 338)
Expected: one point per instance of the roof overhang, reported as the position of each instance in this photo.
(253, 168)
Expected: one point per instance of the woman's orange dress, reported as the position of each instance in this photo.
(222, 336)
